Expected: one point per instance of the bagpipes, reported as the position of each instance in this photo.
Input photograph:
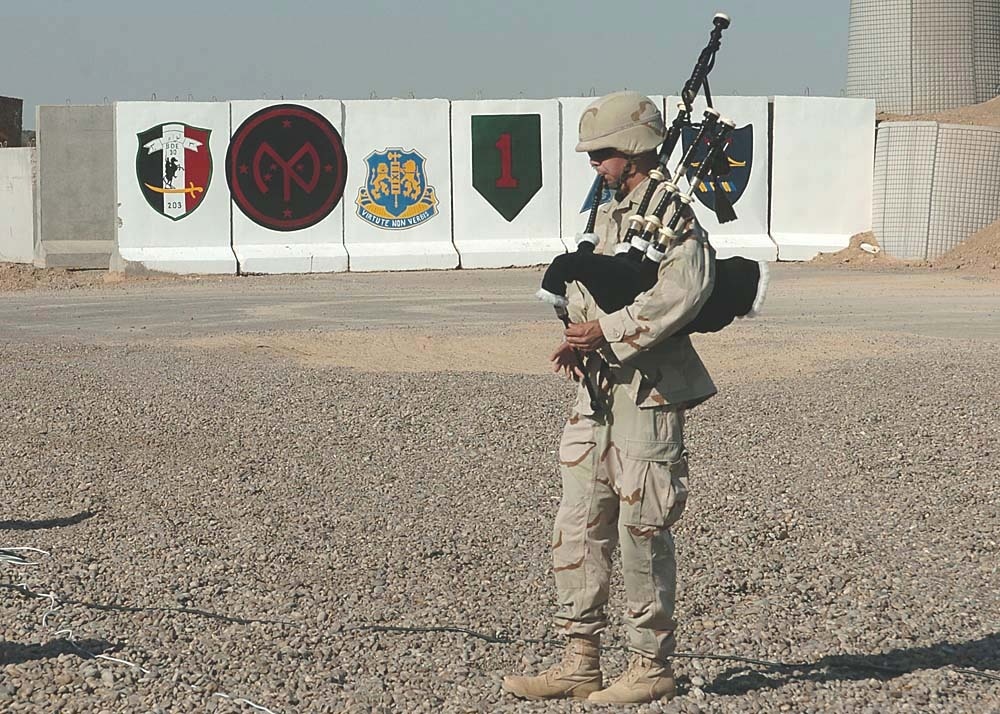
(615, 281)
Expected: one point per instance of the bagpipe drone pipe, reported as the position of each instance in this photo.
(615, 281)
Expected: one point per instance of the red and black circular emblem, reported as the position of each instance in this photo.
(286, 167)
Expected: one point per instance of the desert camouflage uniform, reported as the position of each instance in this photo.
(625, 472)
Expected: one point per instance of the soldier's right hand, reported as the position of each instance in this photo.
(564, 360)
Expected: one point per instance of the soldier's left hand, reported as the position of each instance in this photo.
(585, 336)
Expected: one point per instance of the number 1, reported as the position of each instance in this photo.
(505, 180)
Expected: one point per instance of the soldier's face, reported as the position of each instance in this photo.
(609, 163)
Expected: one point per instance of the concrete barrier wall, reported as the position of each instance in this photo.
(16, 206)
(286, 170)
(747, 184)
(398, 185)
(505, 162)
(821, 188)
(173, 204)
(425, 186)
(76, 186)
(935, 185)
(577, 176)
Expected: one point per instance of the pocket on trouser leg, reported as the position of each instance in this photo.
(658, 483)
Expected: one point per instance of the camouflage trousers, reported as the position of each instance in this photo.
(625, 482)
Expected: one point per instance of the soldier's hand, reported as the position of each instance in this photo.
(564, 360)
(585, 336)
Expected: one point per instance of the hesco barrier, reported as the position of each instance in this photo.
(917, 56)
(935, 185)
(361, 185)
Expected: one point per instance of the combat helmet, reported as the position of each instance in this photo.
(627, 121)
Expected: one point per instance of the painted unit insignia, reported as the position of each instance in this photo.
(396, 194)
(507, 160)
(740, 153)
(174, 167)
(286, 167)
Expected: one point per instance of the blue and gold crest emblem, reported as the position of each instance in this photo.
(396, 194)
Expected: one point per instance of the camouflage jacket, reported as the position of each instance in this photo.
(658, 367)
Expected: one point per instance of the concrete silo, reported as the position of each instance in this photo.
(915, 56)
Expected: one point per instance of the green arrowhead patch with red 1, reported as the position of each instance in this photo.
(507, 160)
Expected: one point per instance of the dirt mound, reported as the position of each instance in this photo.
(979, 254)
(869, 256)
(18, 276)
(985, 114)
(15, 276)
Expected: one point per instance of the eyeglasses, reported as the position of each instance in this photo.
(601, 155)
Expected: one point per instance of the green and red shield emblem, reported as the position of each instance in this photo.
(174, 167)
(507, 160)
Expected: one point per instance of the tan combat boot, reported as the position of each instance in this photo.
(577, 675)
(645, 680)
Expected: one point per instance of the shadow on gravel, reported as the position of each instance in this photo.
(982, 654)
(16, 653)
(25, 592)
(48, 523)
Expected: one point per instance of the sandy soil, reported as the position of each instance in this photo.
(18, 276)
(741, 352)
(985, 114)
(979, 255)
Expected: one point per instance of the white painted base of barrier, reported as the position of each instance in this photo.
(181, 260)
(429, 255)
(806, 246)
(502, 253)
(752, 247)
(292, 258)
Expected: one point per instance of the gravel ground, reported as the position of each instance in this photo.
(229, 525)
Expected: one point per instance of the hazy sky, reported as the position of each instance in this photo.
(87, 51)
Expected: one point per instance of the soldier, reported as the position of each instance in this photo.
(171, 171)
(625, 472)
